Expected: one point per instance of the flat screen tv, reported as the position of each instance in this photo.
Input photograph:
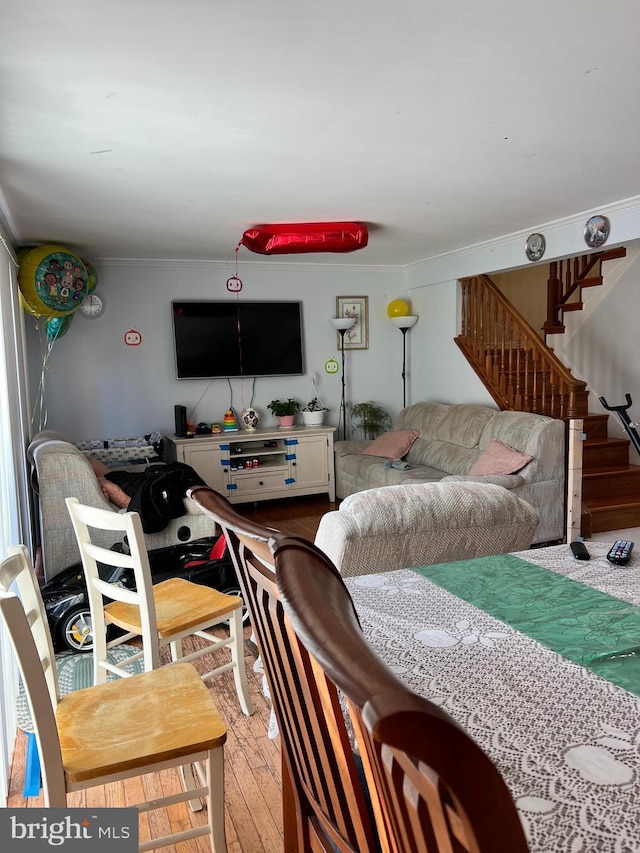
(237, 338)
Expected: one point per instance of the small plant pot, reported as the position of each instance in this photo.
(313, 418)
(286, 421)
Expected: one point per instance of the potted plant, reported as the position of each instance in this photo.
(284, 410)
(314, 412)
(370, 418)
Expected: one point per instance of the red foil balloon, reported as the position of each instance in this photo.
(306, 237)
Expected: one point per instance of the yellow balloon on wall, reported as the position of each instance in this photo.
(53, 281)
(397, 308)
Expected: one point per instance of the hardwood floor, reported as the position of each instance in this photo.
(252, 761)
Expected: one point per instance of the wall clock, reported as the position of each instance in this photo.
(535, 247)
(596, 231)
(92, 306)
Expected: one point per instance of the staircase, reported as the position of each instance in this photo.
(567, 279)
(523, 374)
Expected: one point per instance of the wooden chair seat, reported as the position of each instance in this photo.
(182, 607)
(122, 726)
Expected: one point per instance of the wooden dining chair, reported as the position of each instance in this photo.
(161, 614)
(113, 731)
(325, 805)
(441, 791)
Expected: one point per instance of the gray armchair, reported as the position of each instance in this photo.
(62, 471)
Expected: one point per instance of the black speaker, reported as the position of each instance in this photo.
(180, 413)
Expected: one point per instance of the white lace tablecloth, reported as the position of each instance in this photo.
(566, 741)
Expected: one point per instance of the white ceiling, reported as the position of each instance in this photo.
(165, 128)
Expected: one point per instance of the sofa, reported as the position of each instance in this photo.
(60, 470)
(453, 443)
(398, 527)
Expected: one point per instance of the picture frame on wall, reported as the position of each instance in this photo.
(357, 337)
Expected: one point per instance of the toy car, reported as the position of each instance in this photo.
(205, 561)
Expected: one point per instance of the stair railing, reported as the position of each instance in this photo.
(567, 277)
(520, 372)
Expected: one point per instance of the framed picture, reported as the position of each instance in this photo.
(357, 337)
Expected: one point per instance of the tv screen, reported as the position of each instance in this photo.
(227, 339)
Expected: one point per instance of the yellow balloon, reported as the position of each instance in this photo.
(52, 280)
(397, 308)
(92, 276)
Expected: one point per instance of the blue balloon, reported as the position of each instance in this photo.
(58, 326)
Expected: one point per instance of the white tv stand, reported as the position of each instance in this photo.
(283, 463)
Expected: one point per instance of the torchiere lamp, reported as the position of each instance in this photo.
(341, 324)
(404, 323)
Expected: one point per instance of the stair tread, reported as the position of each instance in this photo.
(606, 442)
(630, 470)
(624, 501)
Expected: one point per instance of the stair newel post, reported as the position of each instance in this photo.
(574, 478)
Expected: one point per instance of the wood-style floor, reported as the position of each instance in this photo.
(253, 781)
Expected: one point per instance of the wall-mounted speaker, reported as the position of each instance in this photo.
(180, 413)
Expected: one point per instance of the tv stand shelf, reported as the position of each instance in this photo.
(262, 464)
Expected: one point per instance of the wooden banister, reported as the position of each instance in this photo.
(520, 372)
(567, 277)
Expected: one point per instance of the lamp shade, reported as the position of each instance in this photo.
(405, 322)
(342, 322)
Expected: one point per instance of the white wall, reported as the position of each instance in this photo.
(97, 387)
(437, 370)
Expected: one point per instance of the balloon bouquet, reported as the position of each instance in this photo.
(53, 283)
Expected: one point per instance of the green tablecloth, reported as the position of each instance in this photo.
(584, 625)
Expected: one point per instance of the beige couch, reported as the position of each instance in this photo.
(59, 471)
(398, 527)
(451, 438)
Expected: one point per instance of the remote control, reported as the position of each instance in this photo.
(620, 552)
(579, 551)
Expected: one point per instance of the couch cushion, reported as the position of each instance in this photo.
(392, 445)
(500, 458)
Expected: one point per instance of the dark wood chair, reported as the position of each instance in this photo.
(325, 807)
(441, 791)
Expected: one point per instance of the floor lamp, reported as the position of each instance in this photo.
(341, 324)
(404, 324)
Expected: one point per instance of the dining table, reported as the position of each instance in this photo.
(537, 656)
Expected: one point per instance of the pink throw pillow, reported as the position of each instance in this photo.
(500, 458)
(115, 494)
(392, 445)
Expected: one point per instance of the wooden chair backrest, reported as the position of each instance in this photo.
(442, 793)
(88, 518)
(26, 624)
(18, 569)
(317, 751)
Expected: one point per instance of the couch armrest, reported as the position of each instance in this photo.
(507, 481)
(397, 527)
